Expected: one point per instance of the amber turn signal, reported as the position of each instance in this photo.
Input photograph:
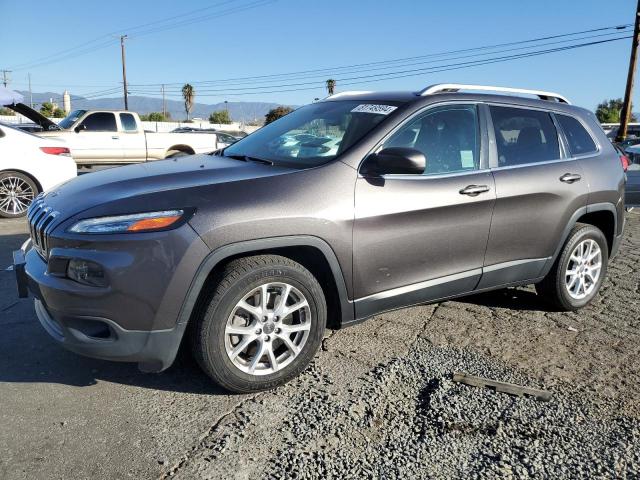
(153, 223)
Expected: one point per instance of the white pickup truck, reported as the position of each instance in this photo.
(98, 137)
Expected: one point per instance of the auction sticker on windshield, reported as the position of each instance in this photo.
(370, 108)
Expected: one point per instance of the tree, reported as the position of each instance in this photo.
(609, 111)
(6, 111)
(331, 85)
(48, 109)
(189, 94)
(153, 117)
(220, 117)
(276, 113)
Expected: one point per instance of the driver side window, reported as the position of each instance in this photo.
(447, 136)
(100, 122)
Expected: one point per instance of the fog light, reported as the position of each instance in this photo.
(86, 272)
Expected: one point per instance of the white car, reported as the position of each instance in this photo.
(30, 165)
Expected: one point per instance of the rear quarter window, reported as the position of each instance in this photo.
(579, 140)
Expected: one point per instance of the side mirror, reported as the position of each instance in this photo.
(80, 128)
(396, 160)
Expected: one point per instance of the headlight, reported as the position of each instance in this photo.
(137, 222)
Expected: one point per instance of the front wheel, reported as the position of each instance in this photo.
(576, 277)
(17, 191)
(261, 324)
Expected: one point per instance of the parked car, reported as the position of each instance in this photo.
(192, 130)
(29, 165)
(257, 249)
(116, 136)
(226, 139)
(28, 127)
(632, 191)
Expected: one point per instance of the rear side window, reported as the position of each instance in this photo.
(128, 122)
(580, 142)
(524, 136)
(101, 122)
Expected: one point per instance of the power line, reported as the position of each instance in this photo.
(417, 72)
(101, 42)
(330, 70)
(209, 90)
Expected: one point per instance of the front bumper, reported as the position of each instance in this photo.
(133, 319)
(154, 351)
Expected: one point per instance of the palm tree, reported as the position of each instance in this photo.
(188, 93)
(331, 85)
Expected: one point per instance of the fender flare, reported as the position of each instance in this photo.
(595, 207)
(220, 254)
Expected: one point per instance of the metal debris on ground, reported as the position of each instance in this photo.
(503, 387)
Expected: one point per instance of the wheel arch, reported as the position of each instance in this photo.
(600, 215)
(311, 252)
(23, 172)
(181, 148)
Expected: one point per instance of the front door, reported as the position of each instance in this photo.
(537, 193)
(423, 237)
(97, 139)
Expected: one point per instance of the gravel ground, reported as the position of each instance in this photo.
(378, 402)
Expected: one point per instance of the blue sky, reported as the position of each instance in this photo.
(242, 38)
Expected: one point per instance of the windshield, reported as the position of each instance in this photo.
(70, 119)
(313, 134)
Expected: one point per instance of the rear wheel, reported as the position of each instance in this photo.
(17, 191)
(261, 324)
(579, 271)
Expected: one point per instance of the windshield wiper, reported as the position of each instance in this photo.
(246, 158)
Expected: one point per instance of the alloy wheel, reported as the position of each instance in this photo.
(583, 269)
(268, 328)
(15, 195)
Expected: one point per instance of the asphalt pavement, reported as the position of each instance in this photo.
(378, 402)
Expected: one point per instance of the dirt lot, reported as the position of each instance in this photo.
(377, 402)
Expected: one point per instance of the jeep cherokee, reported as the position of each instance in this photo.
(355, 205)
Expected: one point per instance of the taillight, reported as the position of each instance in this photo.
(625, 162)
(56, 150)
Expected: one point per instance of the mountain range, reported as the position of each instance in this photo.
(239, 111)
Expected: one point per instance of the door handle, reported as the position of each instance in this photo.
(570, 177)
(115, 137)
(474, 190)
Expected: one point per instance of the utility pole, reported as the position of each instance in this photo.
(5, 77)
(626, 107)
(124, 72)
(30, 92)
(164, 104)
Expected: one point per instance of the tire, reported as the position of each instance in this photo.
(17, 191)
(562, 290)
(220, 315)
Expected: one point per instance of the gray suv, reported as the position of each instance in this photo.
(355, 205)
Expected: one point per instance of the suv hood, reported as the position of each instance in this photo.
(162, 183)
(35, 117)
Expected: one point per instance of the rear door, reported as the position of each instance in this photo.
(97, 139)
(421, 237)
(132, 139)
(538, 189)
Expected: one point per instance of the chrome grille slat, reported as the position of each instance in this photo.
(41, 222)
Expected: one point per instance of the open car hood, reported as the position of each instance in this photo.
(35, 117)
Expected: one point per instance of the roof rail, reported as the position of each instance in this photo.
(353, 92)
(454, 87)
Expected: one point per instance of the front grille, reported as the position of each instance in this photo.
(41, 219)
